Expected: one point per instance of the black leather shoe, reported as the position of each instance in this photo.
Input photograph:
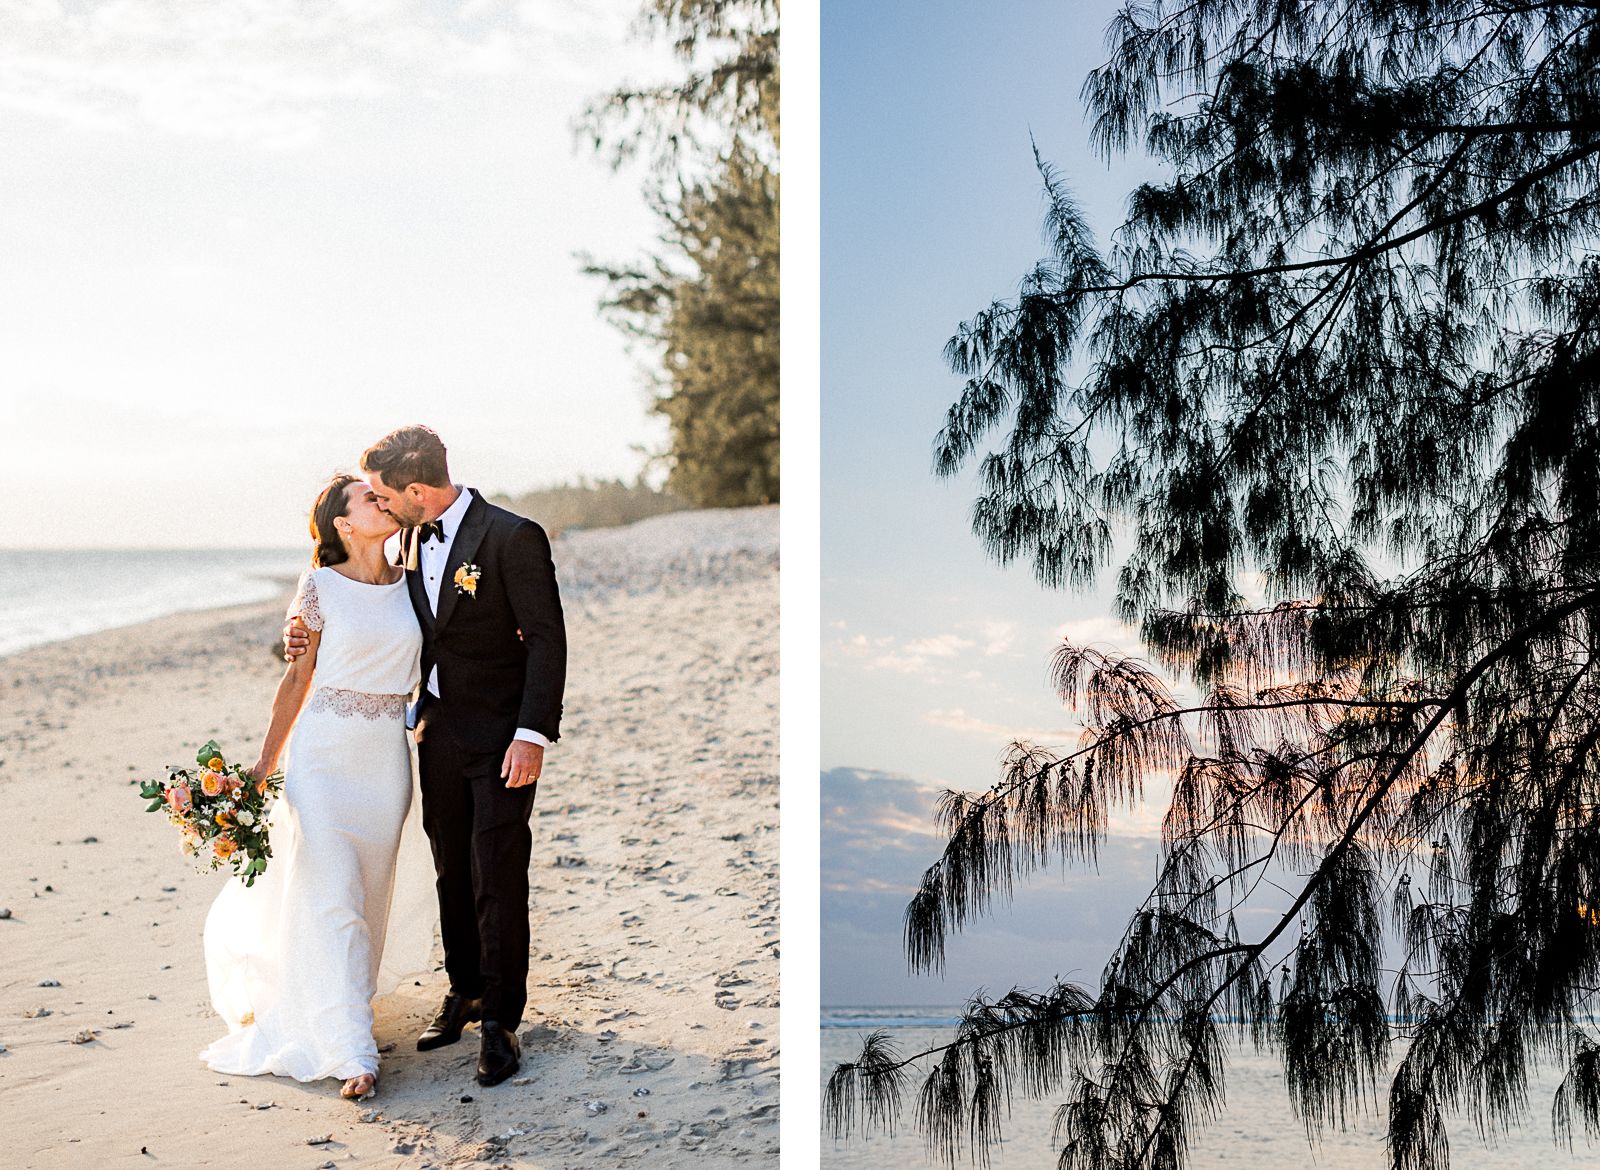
(497, 1055)
(454, 1013)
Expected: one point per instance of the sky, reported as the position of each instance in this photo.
(933, 657)
(244, 240)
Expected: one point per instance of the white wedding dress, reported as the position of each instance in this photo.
(346, 908)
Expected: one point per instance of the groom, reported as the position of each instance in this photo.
(494, 661)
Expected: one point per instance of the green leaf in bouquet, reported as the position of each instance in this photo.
(257, 866)
(206, 754)
(155, 805)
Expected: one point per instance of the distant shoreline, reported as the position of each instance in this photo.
(57, 596)
(200, 613)
(890, 1015)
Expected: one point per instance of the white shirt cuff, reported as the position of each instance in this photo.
(529, 736)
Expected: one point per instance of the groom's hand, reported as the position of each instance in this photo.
(295, 639)
(523, 763)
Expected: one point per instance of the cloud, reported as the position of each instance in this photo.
(885, 652)
(954, 654)
(957, 719)
(919, 654)
(860, 646)
(901, 663)
(879, 834)
(998, 637)
(942, 646)
(267, 72)
(931, 655)
(1099, 631)
(878, 830)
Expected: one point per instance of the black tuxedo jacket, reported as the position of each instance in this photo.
(501, 650)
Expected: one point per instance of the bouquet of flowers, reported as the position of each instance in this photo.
(221, 809)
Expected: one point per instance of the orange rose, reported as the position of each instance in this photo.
(211, 783)
(215, 763)
(224, 846)
(224, 819)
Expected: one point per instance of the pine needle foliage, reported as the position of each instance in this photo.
(706, 299)
(1346, 356)
(728, 50)
(709, 303)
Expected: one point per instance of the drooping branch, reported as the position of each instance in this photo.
(1356, 326)
(1109, 685)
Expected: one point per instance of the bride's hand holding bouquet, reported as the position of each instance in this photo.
(221, 809)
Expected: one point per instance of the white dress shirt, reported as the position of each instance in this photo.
(431, 560)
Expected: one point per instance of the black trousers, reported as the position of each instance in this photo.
(481, 847)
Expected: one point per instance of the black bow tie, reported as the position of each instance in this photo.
(432, 530)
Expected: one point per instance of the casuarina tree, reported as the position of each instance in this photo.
(707, 300)
(1328, 406)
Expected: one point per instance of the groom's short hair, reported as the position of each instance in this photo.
(407, 456)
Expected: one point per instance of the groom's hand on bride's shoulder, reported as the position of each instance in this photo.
(295, 639)
(523, 763)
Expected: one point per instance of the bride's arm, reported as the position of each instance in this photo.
(286, 704)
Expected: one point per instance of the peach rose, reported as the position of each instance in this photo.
(211, 783)
(179, 798)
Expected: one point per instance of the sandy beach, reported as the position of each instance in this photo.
(652, 1029)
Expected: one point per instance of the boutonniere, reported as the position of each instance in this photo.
(467, 579)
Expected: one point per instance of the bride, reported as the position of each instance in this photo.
(294, 961)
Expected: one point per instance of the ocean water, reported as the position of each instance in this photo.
(46, 596)
(1258, 1130)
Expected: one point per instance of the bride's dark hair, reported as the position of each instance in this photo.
(331, 504)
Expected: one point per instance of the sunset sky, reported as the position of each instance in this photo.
(934, 658)
(243, 240)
